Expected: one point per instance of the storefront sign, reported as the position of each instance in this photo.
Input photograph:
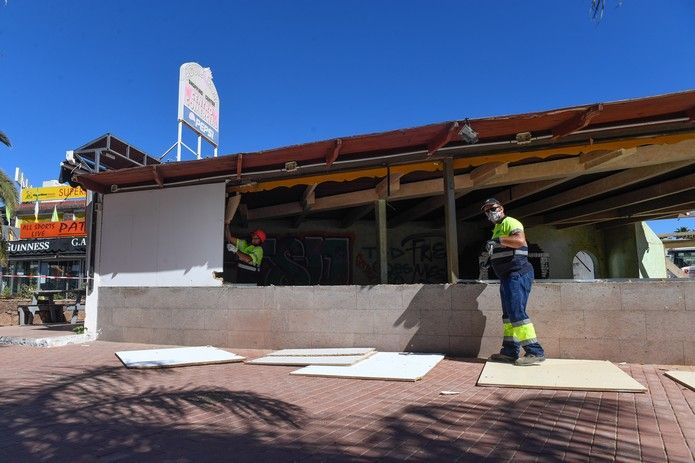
(49, 246)
(199, 104)
(52, 193)
(52, 229)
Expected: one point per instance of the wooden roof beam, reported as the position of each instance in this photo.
(478, 177)
(640, 195)
(647, 155)
(607, 184)
(444, 138)
(389, 184)
(334, 152)
(596, 158)
(307, 202)
(157, 176)
(576, 122)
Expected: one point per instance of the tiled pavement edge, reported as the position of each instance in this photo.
(78, 403)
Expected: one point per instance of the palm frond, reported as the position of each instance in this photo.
(4, 139)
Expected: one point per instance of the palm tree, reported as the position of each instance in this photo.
(8, 195)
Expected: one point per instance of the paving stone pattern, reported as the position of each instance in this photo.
(78, 404)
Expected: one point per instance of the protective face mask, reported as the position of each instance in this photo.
(494, 216)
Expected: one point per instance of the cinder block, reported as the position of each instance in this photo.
(652, 295)
(111, 333)
(383, 342)
(464, 346)
(558, 324)
(379, 297)
(544, 297)
(248, 297)
(248, 340)
(551, 346)
(250, 320)
(614, 350)
(615, 324)
(294, 297)
(689, 353)
(689, 294)
(169, 337)
(186, 319)
(141, 335)
(104, 317)
(216, 338)
(335, 297)
(664, 352)
(490, 345)
(672, 325)
(427, 297)
(590, 296)
(128, 317)
(332, 340)
(428, 343)
(487, 323)
(216, 319)
(466, 296)
(305, 320)
(435, 322)
(395, 321)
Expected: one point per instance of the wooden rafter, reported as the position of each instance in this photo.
(157, 176)
(389, 184)
(576, 122)
(476, 179)
(598, 187)
(596, 158)
(560, 168)
(334, 152)
(667, 188)
(439, 142)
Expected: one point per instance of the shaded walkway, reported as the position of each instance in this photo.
(77, 403)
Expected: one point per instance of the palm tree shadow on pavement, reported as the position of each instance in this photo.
(100, 413)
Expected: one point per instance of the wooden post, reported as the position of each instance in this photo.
(381, 239)
(452, 249)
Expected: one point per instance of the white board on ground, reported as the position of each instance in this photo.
(176, 357)
(302, 360)
(686, 378)
(393, 366)
(579, 375)
(332, 352)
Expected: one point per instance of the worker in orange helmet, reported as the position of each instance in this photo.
(249, 253)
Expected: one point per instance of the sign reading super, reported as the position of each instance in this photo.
(52, 193)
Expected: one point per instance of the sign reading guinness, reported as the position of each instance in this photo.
(50, 246)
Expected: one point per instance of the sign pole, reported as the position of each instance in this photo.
(199, 145)
(178, 143)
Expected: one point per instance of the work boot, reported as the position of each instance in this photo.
(501, 358)
(528, 360)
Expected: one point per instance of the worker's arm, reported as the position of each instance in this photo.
(245, 258)
(228, 235)
(515, 240)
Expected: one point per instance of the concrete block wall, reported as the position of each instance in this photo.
(632, 321)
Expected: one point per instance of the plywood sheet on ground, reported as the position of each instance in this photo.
(393, 366)
(332, 352)
(686, 378)
(176, 357)
(580, 375)
(303, 360)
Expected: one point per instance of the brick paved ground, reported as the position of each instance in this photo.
(77, 403)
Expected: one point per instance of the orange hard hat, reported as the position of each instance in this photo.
(260, 234)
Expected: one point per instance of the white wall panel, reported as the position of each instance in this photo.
(169, 237)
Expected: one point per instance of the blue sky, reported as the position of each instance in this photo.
(291, 72)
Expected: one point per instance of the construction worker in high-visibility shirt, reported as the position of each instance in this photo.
(509, 259)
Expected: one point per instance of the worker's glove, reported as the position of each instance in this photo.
(492, 244)
(231, 248)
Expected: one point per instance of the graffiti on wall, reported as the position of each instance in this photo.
(307, 260)
(420, 258)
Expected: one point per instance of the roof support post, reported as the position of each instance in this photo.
(452, 252)
(381, 239)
